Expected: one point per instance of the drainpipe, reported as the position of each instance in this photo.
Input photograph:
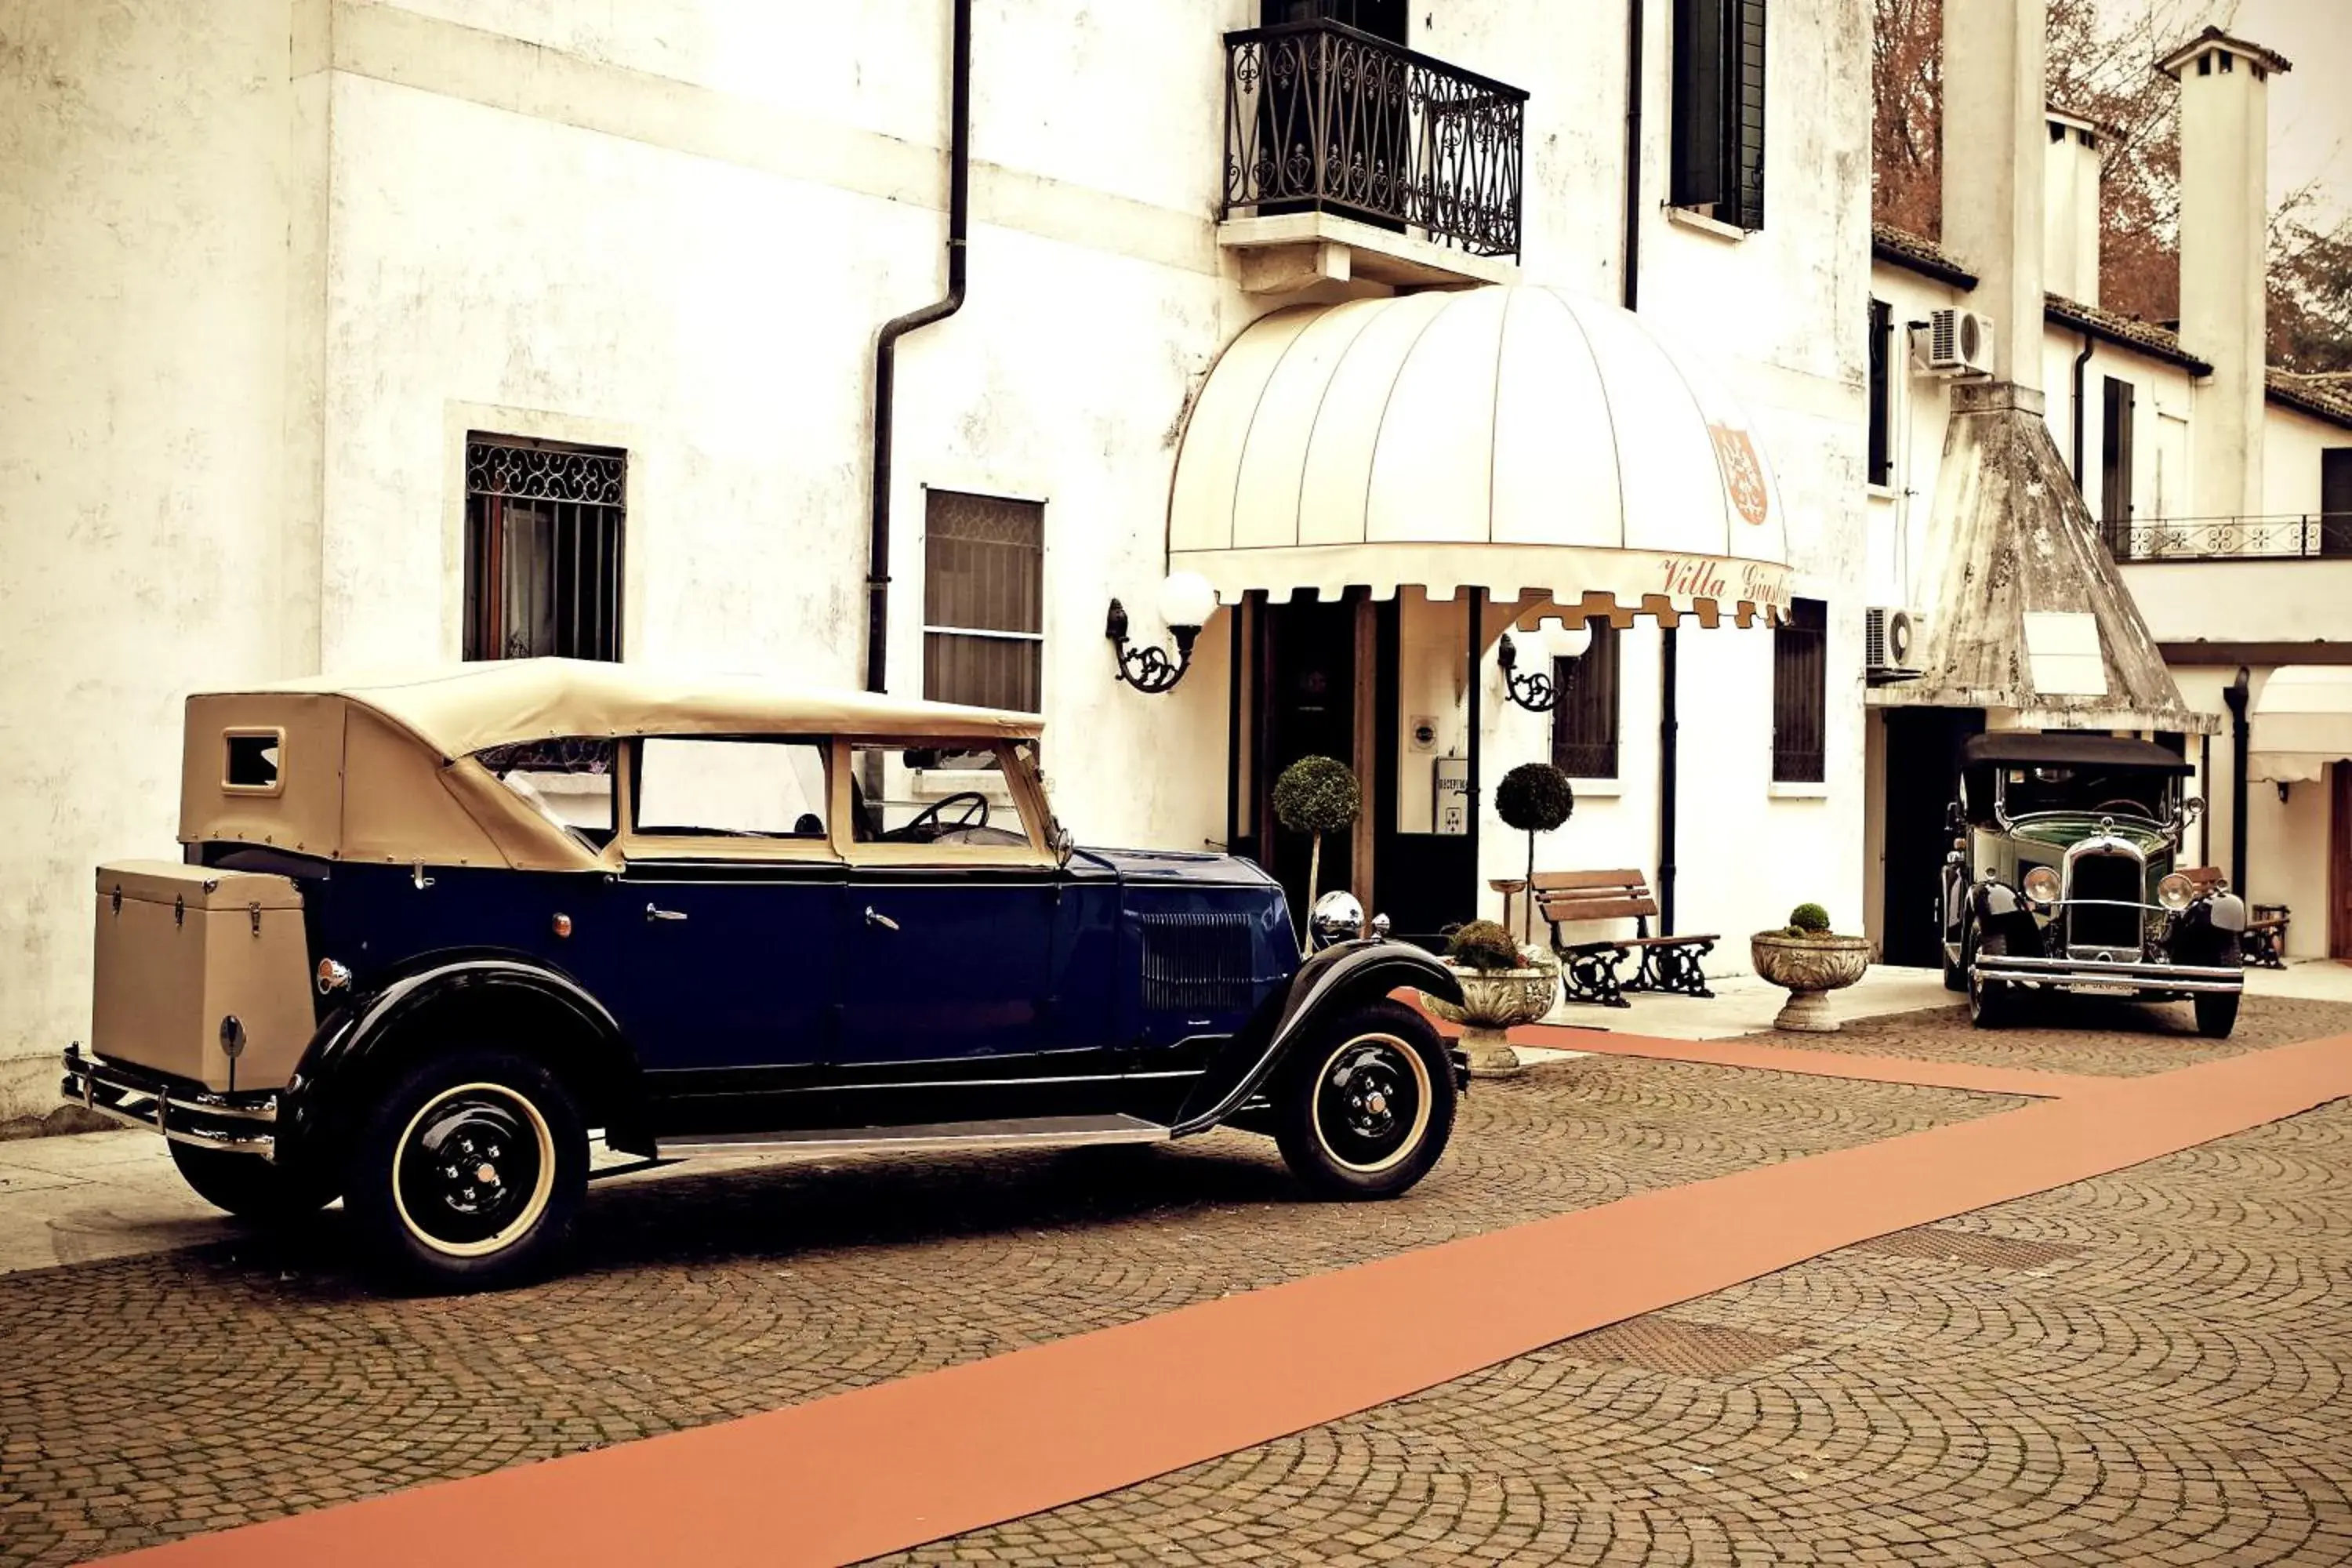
(1669, 718)
(886, 352)
(2235, 694)
(2081, 361)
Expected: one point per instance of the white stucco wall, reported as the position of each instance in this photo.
(143, 153)
(264, 269)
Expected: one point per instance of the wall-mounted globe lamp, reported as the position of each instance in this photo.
(1186, 602)
(1535, 690)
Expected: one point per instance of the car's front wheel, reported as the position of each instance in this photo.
(2217, 1011)
(468, 1171)
(1365, 1105)
(251, 1187)
(1991, 1003)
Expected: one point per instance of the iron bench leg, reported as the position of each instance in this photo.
(1674, 968)
(1589, 974)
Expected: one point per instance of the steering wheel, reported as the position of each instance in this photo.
(2128, 809)
(930, 822)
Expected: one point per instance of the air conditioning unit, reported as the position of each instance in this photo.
(1953, 342)
(1890, 643)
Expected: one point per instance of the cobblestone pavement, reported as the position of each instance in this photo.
(149, 1397)
(2084, 1035)
(2125, 1366)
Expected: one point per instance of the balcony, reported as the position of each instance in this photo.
(2309, 536)
(1348, 156)
(2279, 581)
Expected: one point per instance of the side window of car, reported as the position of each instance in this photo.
(569, 781)
(933, 794)
(725, 788)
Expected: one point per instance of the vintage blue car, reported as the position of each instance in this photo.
(431, 935)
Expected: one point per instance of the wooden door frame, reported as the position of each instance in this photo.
(2339, 860)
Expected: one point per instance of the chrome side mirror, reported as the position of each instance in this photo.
(1065, 844)
(1338, 917)
(2191, 808)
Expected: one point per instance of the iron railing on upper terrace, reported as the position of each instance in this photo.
(2291, 536)
(1320, 117)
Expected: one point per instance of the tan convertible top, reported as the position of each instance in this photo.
(384, 768)
(459, 710)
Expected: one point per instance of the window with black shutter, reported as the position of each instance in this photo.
(2335, 500)
(1801, 694)
(984, 600)
(1584, 721)
(542, 549)
(1882, 408)
(2115, 468)
(1719, 110)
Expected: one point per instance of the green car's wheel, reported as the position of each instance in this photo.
(2217, 1011)
(1991, 1003)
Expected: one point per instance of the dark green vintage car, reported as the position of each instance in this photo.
(2062, 879)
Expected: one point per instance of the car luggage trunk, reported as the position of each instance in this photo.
(201, 974)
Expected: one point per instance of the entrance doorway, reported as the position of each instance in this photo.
(1379, 687)
(2339, 860)
(1923, 772)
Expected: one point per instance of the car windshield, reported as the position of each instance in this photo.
(2039, 789)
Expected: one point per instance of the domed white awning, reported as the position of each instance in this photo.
(1515, 439)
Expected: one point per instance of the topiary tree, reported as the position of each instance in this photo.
(1317, 796)
(1809, 920)
(1482, 945)
(1534, 797)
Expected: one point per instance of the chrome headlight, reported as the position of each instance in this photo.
(2175, 892)
(332, 977)
(1337, 917)
(2041, 884)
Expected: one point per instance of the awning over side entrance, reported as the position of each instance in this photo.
(2301, 723)
(1517, 439)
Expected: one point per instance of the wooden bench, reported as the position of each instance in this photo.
(1589, 969)
(2264, 943)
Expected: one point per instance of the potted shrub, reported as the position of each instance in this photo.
(1503, 983)
(1809, 961)
(1534, 797)
(1316, 795)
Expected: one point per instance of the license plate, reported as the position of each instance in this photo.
(2087, 988)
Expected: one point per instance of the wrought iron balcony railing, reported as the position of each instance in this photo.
(1319, 117)
(2307, 536)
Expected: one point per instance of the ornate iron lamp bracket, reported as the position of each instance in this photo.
(1146, 666)
(1536, 692)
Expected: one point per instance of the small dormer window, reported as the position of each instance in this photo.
(2229, 62)
(2204, 65)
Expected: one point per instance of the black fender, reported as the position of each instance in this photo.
(1339, 977)
(2207, 930)
(2002, 909)
(360, 1040)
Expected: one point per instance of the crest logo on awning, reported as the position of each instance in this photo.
(1743, 473)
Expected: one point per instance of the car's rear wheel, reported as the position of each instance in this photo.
(1365, 1104)
(251, 1187)
(469, 1172)
(1992, 1004)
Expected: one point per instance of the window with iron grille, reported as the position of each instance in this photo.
(1584, 720)
(1719, 110)
(2335, 500)
(1801, 694)
(1882, 404)
(543, 527)
(983, 600)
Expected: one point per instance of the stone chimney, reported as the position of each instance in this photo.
(1993, 175)
(2224, 221)
(2070, 209)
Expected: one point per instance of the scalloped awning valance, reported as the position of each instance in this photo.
(1517, 439)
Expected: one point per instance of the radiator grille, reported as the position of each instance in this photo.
(1197, 963)
(2111, 876)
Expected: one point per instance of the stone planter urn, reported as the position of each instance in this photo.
(1809, 968)
(1493, 1000)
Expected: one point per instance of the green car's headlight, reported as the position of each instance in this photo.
(2175, 892)
(2041, 884)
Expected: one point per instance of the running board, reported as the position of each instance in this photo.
(1036, 1132)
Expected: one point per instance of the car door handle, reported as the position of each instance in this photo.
(654, 913)
(876, 918)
